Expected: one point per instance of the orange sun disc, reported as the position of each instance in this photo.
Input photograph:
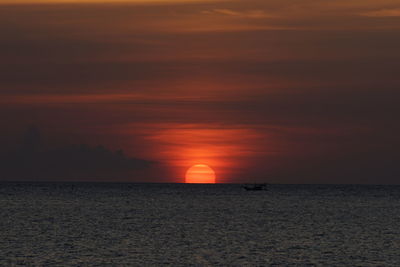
(200, 174)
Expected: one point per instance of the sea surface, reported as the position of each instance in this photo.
(88, 224)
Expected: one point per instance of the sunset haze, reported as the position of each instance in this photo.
(259, 90)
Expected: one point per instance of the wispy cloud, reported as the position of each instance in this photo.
(104, 1)
(394, 12)
(253, 14)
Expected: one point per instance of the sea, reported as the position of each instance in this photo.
(109, 224)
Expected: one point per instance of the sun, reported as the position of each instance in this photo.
(200, 174)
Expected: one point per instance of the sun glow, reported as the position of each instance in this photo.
(200, 174)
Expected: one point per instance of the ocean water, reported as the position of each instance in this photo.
(198, 225)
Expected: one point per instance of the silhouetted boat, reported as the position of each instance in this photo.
(255, 187)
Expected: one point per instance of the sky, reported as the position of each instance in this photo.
(279, 91)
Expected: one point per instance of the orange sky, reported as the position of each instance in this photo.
(261, 90)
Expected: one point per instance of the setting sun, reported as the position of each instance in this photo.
(200, 174)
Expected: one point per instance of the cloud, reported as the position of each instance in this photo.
(140, 2)
(32, 161)
(252, 14)
(395, 12)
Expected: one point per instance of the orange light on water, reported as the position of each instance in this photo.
(200, 174)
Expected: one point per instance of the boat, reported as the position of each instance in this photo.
(255, 187)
